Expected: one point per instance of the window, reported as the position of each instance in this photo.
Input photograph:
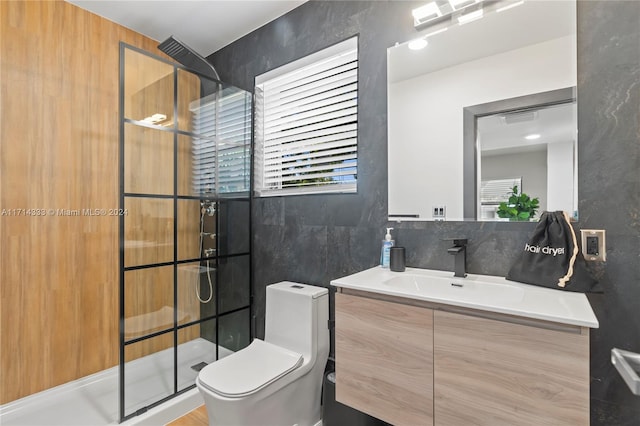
(493, 192)
(221, 147)
(306, 124)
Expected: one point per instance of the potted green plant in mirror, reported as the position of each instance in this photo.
(519, 207)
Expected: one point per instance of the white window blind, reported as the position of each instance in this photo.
(306, 124)
(221, 160)
(495, 191)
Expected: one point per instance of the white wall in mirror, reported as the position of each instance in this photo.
(428, 90)
(546, 163)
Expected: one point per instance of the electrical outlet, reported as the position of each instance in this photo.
(594, 245)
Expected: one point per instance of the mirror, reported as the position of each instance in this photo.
(459, 112)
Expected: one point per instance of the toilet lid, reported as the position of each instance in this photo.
(249, 369)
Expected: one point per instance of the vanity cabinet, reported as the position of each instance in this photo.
(384, 359)
(411, 362)
(498, 372)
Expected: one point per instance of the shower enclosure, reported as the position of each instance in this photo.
(185, 279)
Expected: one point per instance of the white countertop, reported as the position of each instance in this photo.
(482, 292)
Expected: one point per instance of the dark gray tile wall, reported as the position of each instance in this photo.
(317, 238)
(609, 155)
(231, 283)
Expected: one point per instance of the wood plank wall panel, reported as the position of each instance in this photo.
(148, 158)
(59, 150)
(149, 154)
(148, 230)
(148, 301)
(149, 307)
(189, 229)
(145, 76)
(189, 89)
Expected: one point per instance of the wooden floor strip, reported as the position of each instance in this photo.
(197, 417)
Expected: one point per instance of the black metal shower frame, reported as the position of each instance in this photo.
(123, 343)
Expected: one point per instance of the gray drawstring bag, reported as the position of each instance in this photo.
(551, 258)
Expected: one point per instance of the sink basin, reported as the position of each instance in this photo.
(479, 292)
(460, 288)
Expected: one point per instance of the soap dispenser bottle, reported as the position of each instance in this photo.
(385, 253)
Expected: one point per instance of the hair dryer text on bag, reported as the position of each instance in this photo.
(545, 250)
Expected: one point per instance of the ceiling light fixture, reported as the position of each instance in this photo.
(471, 16)
(461, 4)
(509, 6)
(417, 44)
(426, 13)
(431, 34)
(515, 117)
(439, 14)
(532, 136)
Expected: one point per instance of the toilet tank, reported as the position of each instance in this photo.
(296, 317)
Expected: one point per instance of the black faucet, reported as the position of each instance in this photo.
(459, 250)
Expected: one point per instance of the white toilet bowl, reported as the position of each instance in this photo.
(277, 381)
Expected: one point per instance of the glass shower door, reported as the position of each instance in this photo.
(185, 280)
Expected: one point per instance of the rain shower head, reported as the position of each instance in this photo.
(188, 57)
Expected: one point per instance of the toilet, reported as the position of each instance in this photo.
(277, 381)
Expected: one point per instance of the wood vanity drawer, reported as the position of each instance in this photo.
(384, 359)
(490, 372)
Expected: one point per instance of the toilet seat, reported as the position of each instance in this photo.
(249, 370)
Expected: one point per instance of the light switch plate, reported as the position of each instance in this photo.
(594, 246)
(440, 212)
